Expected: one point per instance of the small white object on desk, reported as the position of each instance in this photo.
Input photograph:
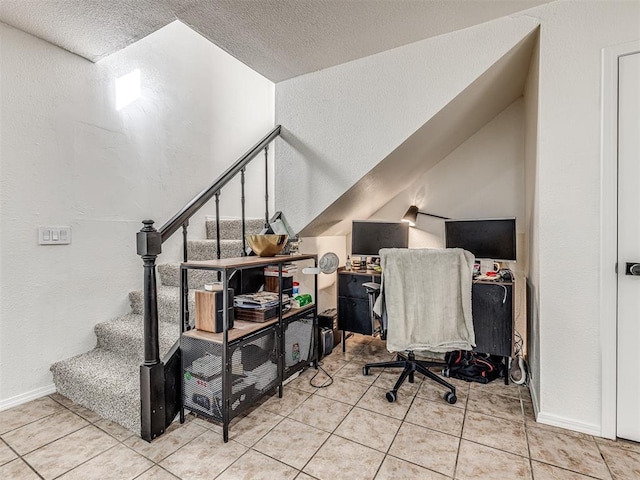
(488, 277)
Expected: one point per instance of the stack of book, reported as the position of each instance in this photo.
(259, 307)
(271, 278)
(288, 269)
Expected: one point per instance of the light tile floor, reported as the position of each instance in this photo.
(344, 431)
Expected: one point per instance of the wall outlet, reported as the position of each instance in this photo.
(50, 235)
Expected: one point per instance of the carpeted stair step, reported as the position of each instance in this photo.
(125, 335)
(207, 249)
(103, 381)
(231, 229)
(168, 303)
(170, 276)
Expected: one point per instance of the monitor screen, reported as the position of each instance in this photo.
(368, 237)
(493, 239)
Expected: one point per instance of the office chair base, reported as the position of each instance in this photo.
(409, 367)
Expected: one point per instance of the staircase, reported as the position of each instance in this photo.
(106, 379)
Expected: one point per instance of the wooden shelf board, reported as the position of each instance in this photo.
(242, 328)
(245, 262)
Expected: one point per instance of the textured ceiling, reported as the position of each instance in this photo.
(280, 39)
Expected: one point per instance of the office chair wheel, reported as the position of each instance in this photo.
(392, 396)
(383, 335)
(450, 398)
(365, 371)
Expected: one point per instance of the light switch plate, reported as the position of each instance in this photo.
(54, 235)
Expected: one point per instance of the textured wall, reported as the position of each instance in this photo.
(532, 241)
(340, 122)
(69, 158)
(568, 202)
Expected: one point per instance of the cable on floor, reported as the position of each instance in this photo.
(325, 372)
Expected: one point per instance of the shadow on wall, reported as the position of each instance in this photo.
(311, 157)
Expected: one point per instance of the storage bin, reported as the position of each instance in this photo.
(209, 309)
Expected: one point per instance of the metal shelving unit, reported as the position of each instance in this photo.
(225, 373)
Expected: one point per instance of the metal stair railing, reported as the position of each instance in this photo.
(160, 380)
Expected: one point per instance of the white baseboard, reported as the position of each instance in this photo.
(566, 423)
(535, 401)
(562, 422)
(27, 397)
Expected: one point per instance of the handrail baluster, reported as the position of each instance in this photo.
(266, 187)
(185, 251)
(218, 250)
(242, 217)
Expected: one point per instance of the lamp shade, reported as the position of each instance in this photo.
(411, 216)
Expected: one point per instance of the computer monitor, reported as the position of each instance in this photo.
(368, 237)
(491, 239)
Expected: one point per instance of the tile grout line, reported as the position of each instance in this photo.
(352, 407)
(604, 460)
(387, 454)
(52, 441)
(464, 418)
(88, 460)
(332, 432)
(526, 437)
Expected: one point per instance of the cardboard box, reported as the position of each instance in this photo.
(259, 315)
(209, 307)
(271, 284)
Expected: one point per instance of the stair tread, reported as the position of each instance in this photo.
(168, 298)
(170, 276)
(208, 249)
(125, 335)
(104, 382)
(209, 241)
(232, 227)
(111, 367)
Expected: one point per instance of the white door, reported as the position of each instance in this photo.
(628, 381)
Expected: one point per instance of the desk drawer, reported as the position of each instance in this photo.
(493, 318)
(350, 285)
(354, 316)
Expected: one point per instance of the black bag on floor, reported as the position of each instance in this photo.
(473, 366)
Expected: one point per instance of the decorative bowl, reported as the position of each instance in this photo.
(267, 245)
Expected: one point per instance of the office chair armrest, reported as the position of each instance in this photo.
(371, 287)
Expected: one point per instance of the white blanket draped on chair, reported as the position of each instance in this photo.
(427, 296)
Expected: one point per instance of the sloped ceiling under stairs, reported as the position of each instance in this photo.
(497, 88)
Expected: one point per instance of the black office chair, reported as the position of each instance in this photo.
(407, 270)
(373, 290)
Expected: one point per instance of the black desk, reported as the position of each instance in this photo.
(353, 302)
(492, 306)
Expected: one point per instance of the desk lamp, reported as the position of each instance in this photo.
(412, 215)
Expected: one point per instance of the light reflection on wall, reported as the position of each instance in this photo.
(127, 89)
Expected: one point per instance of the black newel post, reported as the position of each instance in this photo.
(152, 408)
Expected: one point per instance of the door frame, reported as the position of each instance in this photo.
(609, 232)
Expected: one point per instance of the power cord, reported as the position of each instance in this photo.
(316, 374)
(517, 344)
(518, 371)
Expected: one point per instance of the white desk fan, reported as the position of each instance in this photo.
(328, 264)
